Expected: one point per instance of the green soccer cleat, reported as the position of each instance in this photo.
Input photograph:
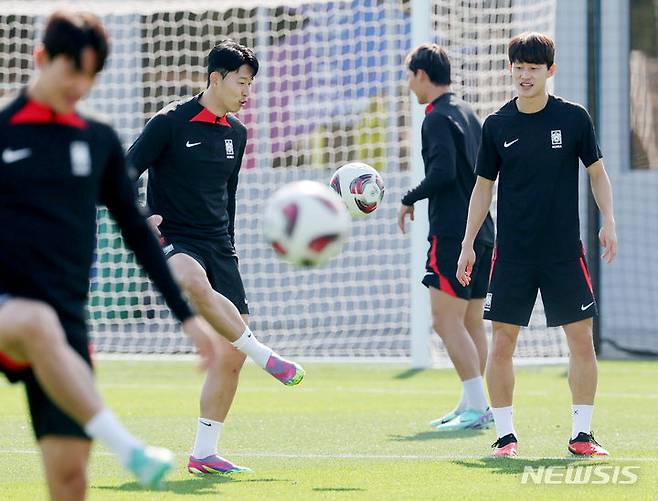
(468, 420)
(444, 419)
(150, 465)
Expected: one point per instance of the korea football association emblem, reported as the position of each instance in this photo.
(80, 158)
(556, 138)
(229, 148)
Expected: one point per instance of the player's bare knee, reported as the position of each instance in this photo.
(71, 483)
(36, 321)
(446, 325)
(502, 346)
(196, 285)
(230, 359)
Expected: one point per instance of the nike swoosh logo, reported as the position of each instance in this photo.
(189, 145)
(507, 145)
(583, 307)
(10, 156)
(204, 423)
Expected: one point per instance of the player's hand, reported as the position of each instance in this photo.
(608, 239)
(403, 211)
(154, 221)
(204, 338)
(465, 265)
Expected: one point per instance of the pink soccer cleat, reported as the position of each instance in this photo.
(289, 373)
(505, 447)
(213, 465)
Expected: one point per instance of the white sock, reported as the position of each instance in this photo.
(253, 348)
(581, 416)
(474, 391)
(463, 402)
(105, 427)
(207, 436)
(503, 419)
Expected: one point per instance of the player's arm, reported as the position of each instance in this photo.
(145, 152)
(590, 154)
(478, 208)
(488, 165)
(602, 191)
(232, 188)
(118, 194)
(441, 165)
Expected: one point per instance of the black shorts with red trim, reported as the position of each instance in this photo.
(47, 417)
(441, 268)
(566, 291)
(219, 261)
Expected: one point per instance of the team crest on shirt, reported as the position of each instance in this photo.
(556, 138)
(229, 148)
(80, 158)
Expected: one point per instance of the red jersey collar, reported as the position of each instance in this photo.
(205, 115)
(33, 112)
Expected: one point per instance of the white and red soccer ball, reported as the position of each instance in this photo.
(360, 186)
(306, 223)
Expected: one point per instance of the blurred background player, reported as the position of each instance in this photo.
(533, 144)
(193, 151)
(56, 165)
(450, 141)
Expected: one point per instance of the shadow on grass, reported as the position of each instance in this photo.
(422, 436)
(199, 486)
(408, 374)
(338, 489)
(515, 466)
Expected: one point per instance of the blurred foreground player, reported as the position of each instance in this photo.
(56, 165)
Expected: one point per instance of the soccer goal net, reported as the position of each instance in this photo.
(331, 89)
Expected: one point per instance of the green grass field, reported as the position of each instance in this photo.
(353, 432)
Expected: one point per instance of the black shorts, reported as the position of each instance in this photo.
(221, 266)
(566, 291)
(441, 268)
(47, 418)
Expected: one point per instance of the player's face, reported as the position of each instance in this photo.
(233, 90)
(64, 83)
(530, 78)
(417, 86)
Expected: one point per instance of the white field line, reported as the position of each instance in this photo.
(384, 391)
(393, 457)
(374, 391)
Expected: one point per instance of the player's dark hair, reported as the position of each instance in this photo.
(433, 60)
(532, 47)
(69, 33)
(228, 56)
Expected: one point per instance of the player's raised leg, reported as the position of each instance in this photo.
(583, 375)
(500, 381)
(226, 320)
(31, 335)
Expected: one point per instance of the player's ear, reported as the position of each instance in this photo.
(214, 78)
(552, 70)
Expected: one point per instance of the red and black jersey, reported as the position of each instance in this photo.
(193, 158)
(450, 141)
(535, 158)
(54, 170)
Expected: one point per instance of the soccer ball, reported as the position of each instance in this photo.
(306, 223)
(360, 186)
